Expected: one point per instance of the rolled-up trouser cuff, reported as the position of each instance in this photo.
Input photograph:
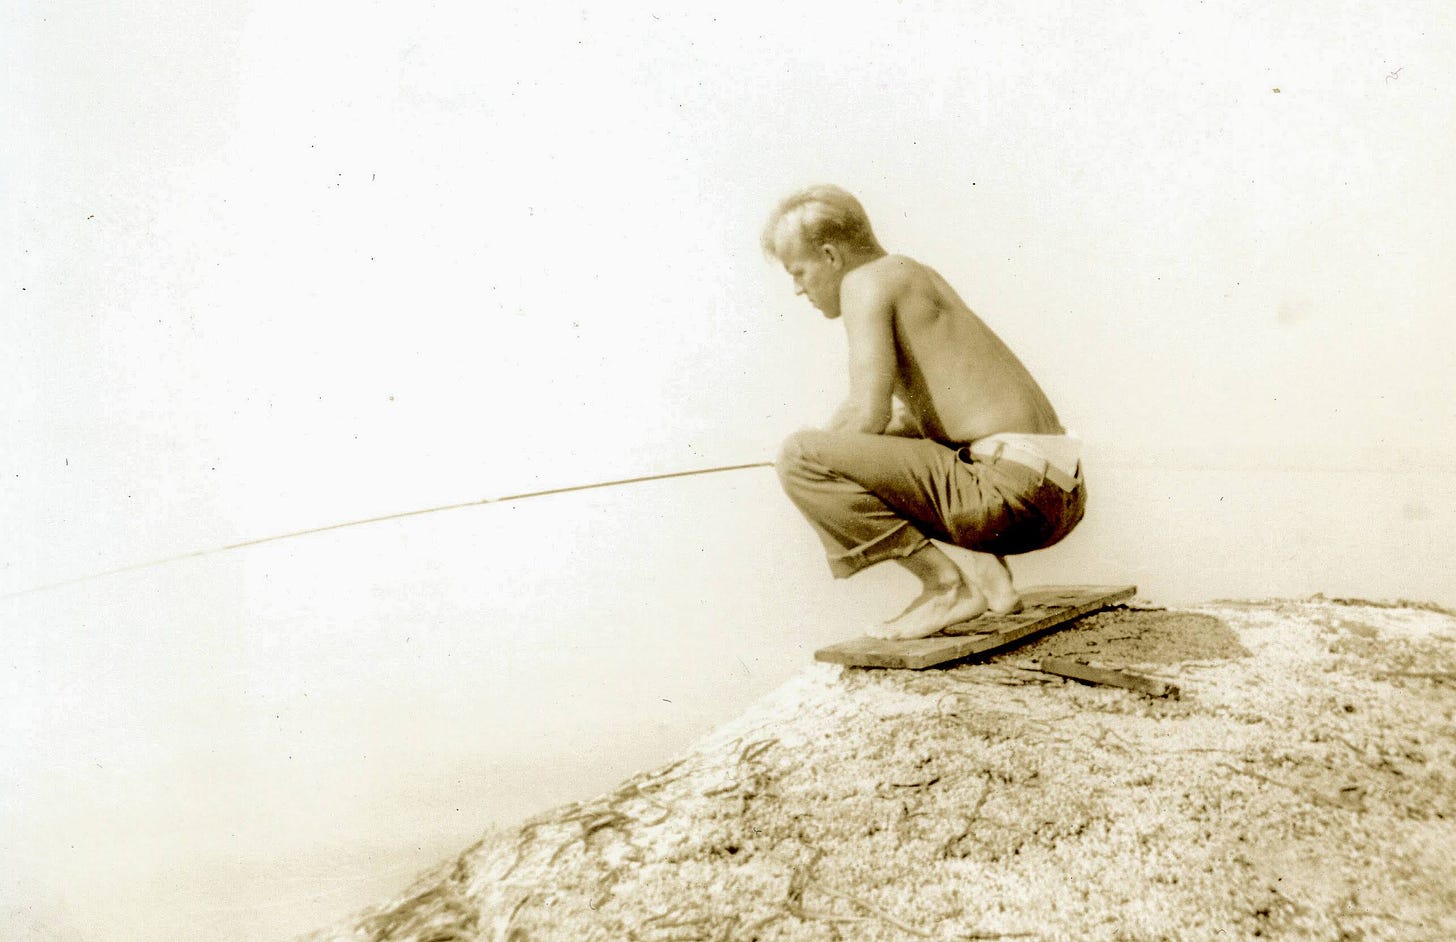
(898, 543)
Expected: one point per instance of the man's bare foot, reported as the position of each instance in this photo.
(992, 576)
(932, 610)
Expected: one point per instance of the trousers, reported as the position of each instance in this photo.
(877, 497)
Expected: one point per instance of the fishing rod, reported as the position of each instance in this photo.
(396, 516)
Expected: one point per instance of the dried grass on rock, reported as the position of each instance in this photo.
(1302, 789)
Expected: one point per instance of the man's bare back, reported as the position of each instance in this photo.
(957, 379)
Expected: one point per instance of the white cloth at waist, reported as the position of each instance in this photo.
(1063, 452)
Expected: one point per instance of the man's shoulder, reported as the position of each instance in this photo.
(893, 266)
(888, 274)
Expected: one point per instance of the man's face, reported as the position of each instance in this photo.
(816, 274)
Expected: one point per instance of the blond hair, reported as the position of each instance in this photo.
(824, 214)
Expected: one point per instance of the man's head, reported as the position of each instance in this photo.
(819, 234)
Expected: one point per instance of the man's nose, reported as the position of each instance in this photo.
(798, 288)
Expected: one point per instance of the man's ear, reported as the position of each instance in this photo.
(832, 254)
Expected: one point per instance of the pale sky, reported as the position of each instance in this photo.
(274, 266)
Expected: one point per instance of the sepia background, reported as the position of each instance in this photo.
(269, 268)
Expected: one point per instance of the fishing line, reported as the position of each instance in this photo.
(398, 516)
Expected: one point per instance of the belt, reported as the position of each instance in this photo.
(993, 451)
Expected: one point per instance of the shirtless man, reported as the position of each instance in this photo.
(944, 435)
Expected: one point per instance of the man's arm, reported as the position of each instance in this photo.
(868, 309)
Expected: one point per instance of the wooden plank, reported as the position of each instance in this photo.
(1095, 674)
(1044, 608)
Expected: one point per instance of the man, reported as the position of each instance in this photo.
(944, 435)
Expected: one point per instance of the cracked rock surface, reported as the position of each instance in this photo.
(1303, 788)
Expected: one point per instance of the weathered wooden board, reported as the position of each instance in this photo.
(1116, 677)
(1045, 608)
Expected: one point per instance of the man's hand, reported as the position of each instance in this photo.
(852, 416)
(902, 423)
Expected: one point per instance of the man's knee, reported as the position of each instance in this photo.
(798, 452)
(790, 458)
(801, 461)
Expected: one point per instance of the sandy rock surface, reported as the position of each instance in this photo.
(1303, 787)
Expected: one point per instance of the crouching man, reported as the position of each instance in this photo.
(945, 435)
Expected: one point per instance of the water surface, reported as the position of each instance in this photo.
(251, 744)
